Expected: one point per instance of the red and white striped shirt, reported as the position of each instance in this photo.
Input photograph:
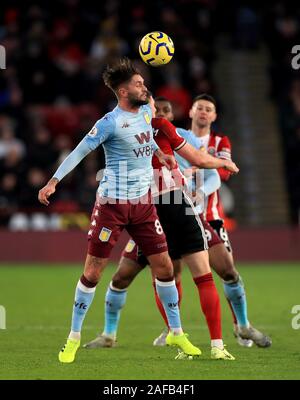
(218, 146)
(168, 140)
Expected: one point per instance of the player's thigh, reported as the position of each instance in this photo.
(134, 253)
(198, 263)
(218, 227)
(107, 223)
(182, 226)
(222, 262)
(211, 235)
(146, 230)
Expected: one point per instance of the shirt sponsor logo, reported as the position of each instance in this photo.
(145, 151)
(143, 137)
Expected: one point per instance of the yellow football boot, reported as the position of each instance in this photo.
(220, 354)
(68, 352)
(181, 341)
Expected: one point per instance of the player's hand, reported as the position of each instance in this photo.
(47, 191)
(230, 166)
(167, 160)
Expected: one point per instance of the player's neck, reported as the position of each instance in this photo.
(125, 106)
(199, 131)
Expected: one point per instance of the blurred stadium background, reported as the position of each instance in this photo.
(51, 92)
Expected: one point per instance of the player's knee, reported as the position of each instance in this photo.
(225, 268)
(165, 273)
(121, 282)
(92, 277)
(162, 266)
(229, 273)
(93, 269)
(92, 274)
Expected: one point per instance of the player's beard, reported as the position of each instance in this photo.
(135, 102)
(202, 125)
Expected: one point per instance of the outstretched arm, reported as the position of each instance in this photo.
(73, 159)
(204, 160)
(97, 135)
(199, 158)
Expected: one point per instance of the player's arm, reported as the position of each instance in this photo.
(196, 157)
(207, 183)
(202, 159)
(224, 152)
(98, 134)
(73, 159)
(165, 159)
(212, 182)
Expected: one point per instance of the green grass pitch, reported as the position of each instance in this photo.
(38, 302)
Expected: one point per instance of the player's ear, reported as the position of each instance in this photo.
(172, 117)
(215, 117)
(191, 113)
(122, 91)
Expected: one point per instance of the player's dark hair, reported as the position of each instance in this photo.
(118, 73)
(207, 97)
(162, 98)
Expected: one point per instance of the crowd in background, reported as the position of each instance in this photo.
(282, 34)
(51, 91)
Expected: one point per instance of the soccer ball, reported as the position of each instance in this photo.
(156, 49)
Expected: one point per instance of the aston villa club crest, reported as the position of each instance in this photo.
(147, 118)
(130, 246)
(105, 234)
